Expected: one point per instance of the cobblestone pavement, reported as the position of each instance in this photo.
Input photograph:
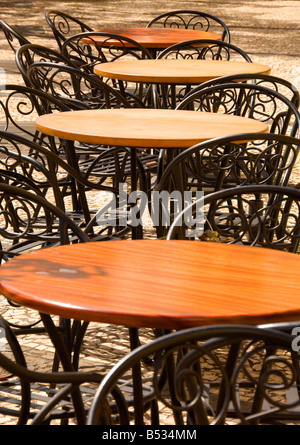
(269, 31)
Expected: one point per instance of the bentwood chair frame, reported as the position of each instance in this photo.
(257, 215)
(190, 19)
(282, 86)
(265, 159)
(12, 35)
(205, 375)
(203, 49)
(64, 25)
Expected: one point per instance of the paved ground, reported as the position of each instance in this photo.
(269, 31)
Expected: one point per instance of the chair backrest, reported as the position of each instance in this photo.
(84, 49)
(201, 376)
(21, 105)
(30, 221)
(220, 163)
(206, 49)
(191, 19)
(32, 53)
(256, 215)
(77, 88)
(13, 37)
(64, 25)
(282, 86)
(248, 100)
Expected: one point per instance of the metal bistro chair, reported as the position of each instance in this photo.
(204, 49)
(31, 53)
(190, 19)
(13, 37)
(205, 376)
(249, 100)
(222, 163)
(282, 86)
(27, 393)
(64, 25)
(84, 50)
(257, 215)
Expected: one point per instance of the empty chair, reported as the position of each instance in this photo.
(13, 37)
(64, 25)
(221, 163)
(205, 375)
(190, 19)
(249, 100)
(20, 105)
(88, 49)
(32, 53)
(282, 86)
(203, 49)
(257, 215)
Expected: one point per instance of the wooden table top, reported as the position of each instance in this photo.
(157, 283)
(157, 38)
(146, 128)
(185, 71)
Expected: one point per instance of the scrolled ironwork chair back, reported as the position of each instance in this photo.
(13, 37)
(190, 19)
(247, 100)
(256, 215)
(85, 50)
(204, 49)
(64, 25)
(206, 375)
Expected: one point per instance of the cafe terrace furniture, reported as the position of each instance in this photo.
(142, 129)
(225, 375)
(190, 19)
(282, 86)
(28, 54)
(266, 159)
(13, 37)
(134, 283)
(64, 25)
(256, 215)
(246, 99)
(175, 72)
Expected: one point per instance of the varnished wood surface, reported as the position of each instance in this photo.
(185, 71)
(157, 38)
(155, 283)
(144, 127)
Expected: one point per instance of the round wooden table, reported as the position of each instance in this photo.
(146, 128)
(176, 71)
(157, 283)
(157, 38)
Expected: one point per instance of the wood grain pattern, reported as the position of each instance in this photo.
(146, 128)
(155, 283)
(179, 71)
(156, 38)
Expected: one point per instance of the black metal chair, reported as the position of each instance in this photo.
(249, 100)
(223, 163)
(257, 215)
(19, 107)
(31, 53)
(203, 49)
(206, 375)
(35, 397)
(84, 50)
(13, 37)
(77, 88)
(282, 86)
(81, 193)
(191, 19)
(64, 25)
